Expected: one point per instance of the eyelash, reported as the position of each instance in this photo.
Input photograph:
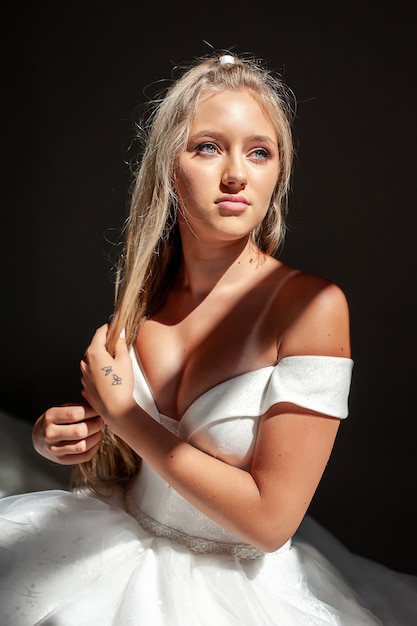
(202, 146)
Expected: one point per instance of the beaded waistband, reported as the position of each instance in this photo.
(195, 544)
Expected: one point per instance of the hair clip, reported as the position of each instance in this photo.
(227, 59)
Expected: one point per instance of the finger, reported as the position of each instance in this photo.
(84, 364)
(77, 448)
(100, 337)
(73, 431)
(60, 434)
(81, 430)
(121, 348)
(97, 344)
(89, 413)
(95, 424)
(75, 459)
(65, 414)
(84, 379)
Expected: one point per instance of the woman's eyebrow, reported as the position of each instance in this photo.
(219, 135)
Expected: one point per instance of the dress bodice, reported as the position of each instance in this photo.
(223, 422)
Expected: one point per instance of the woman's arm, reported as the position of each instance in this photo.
(265, 505)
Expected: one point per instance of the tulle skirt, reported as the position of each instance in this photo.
(72, 559)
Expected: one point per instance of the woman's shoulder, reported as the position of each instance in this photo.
(312, 313)
(298, 288)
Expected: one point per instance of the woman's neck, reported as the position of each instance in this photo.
(203, 268)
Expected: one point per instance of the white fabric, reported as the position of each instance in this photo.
(73, 559)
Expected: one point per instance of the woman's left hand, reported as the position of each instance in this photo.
(108, 380)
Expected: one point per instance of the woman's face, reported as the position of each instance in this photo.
(226, 175)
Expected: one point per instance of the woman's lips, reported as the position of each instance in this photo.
(232, 204)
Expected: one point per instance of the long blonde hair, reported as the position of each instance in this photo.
(152, 246)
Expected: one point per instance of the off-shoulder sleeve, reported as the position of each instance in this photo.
(319, 383)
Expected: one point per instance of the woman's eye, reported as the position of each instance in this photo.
(260, 154)
(207, 147)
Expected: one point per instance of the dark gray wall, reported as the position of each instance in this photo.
(74, 74)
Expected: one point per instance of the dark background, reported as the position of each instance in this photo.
(73, 76)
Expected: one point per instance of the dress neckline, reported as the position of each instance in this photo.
(217, 386)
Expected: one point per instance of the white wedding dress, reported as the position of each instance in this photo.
(152, 559)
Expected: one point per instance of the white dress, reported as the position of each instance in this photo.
(152, 559)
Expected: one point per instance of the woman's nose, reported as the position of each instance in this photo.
(234, 173)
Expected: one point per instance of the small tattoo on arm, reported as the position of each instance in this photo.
(107, 370)
(116, 380)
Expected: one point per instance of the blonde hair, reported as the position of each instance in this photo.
(152, 247)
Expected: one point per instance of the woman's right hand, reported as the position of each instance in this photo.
(68, 434)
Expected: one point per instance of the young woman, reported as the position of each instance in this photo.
(213, 397)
